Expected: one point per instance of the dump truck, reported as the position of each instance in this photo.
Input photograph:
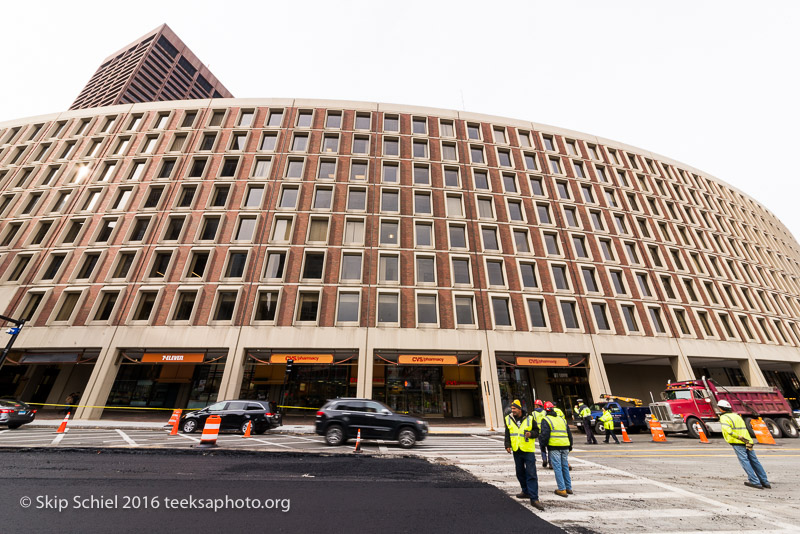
(691, 405)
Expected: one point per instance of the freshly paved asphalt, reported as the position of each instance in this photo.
(319, 493)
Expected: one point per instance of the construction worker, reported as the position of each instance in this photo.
(558, 411)
(559, 442)
(548, 406)
(585, 413)
(521, 430)
(735, 432)
(538, 415)
(608, 424)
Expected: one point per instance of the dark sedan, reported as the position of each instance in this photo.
(341, 419)
(15, 413)
(235, 415)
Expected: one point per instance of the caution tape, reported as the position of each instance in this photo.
(299, 407)
(91, 406)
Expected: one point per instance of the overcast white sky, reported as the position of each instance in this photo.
(713, 84)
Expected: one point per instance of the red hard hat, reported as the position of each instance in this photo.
(537, 403)
(548, 405)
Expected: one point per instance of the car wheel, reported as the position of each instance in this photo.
(773, 428)
(14, 426)
(189, 426)
(789, 430)
(334, 435)
(407, 438)
(693, 426)
(244, 427)
(749, 426)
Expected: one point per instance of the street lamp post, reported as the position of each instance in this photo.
(14, 331)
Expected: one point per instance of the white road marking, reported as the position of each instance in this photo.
(127, 438)
(59, 437)
(593, 515)
(196, 440)
(602, 496)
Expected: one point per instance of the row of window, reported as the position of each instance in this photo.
(567, 312)
(499, 273)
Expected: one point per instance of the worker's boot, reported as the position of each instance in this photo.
(538, 505)
(561, 493)
(523, 495)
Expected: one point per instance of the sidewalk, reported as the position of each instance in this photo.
(434, 430)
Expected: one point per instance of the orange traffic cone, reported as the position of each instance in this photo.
(210, 432)
(657, 431)
(247, 430)
(63, 426)
(358, 442)
(625, 438)
(761, 431)
(701, 432)
(175, 420)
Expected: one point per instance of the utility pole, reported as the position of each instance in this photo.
(14, 331)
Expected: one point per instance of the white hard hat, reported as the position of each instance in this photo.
(725, 404)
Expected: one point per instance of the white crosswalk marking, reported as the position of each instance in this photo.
(127, 438)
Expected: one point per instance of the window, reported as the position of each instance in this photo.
(288, 197)
(358, 170)
(426, 270)
(185, 305)
(588, 194)
(236, 263)
(304, 118)
(644, 285)
(464, 311)
(268, 142)
(266, 305)
(680, 316)
(347, 310)
(207, 143)
(422, 175)
(388, 268)
(353, 232)
(454, 207)
(570, 214)
(391, 172)
(198, 166)
(551, 244)
(299, 143)
(107, 302)
(423, 233)
(262, 167)
(333, 119)
(449, 152)
(357, 199)
(579, 172)
(318, 230)
(229, 167)
(481, 179)
(210, 226)
(543, 212)
(608, 253)
(389, 233)
(388, 307)
(419, 148)
(323, 197)
(238, 141)
(549, 144)
(458, 236)
(275, 264)
(658, 324)
(560, 277)
(515, 211)
(360, 145)
(426, 309)
(422, 203)
(555, 166)
(294, 168)
(461, 273)
(419, 125)
(197, 264)
(494, 273)
(160, 264)
(275, 117)
(226, 303)
(485, 209)
(363, 121)
(536, 311)
(536, 186)
(391, 123)
(619, 282)
(254, 196)
(502, 316)
(147, 300)
(579, 244)
(629, 313)
(589, 280)
(307, 306)
(476, 154)
(56, 261)
(521, 240)
(569, 314)
(34, 299)
(89, 263)
(489, 235)
(528, 275)
(246, 228)
(510, 183)
(313, 265)
(351, 267)
(600, 317)
(174, 227)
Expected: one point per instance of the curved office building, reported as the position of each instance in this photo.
(170, 254)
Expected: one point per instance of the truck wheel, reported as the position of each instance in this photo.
(599, 429)
(788, 428)
(693, 426)
(773, 428)
(749, 426)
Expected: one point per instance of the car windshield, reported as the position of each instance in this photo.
(601, 405)
(9, 402)
(676, 394)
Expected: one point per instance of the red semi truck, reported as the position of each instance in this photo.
(691, 405)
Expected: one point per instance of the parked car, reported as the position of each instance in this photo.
(234, 415)
(14, 413)
(341, 419)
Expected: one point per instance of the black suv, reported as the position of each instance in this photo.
(15, 413)
(234, 415)
(341, 419)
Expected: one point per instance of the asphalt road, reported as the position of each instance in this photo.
(158, 490)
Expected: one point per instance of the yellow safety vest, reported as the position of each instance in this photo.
(608, 420)
(559, 412)
(558, 432)
(518, 440)
(734, 429)
(586, 412)
(538, 416)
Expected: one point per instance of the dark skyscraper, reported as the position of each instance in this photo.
(156, 67)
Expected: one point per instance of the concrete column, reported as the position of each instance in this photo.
(490, 388)
(58, 393)
(681, 367)
(598, 379)
(796, 369)
(100, 383)
(232, 375)
(366, 362)
(752, 372)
